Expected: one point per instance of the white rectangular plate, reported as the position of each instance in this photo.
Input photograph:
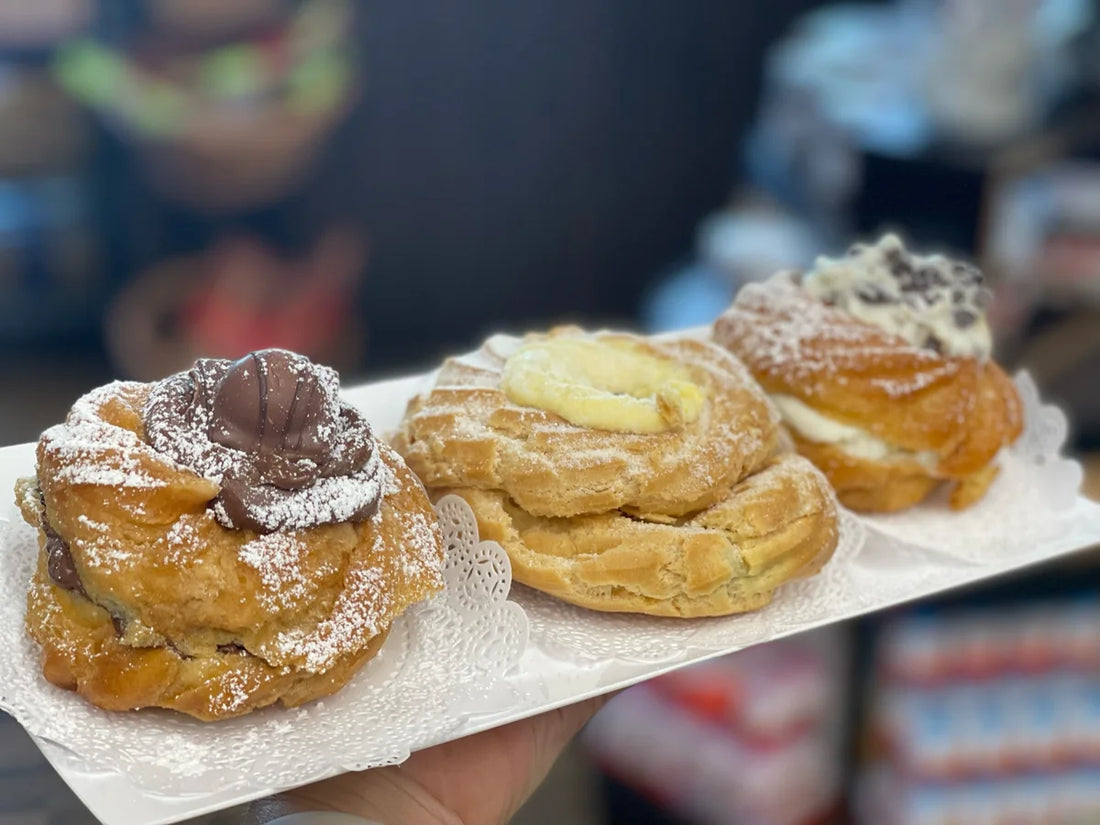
(573, 654)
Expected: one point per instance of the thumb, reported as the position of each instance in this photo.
(554, 730)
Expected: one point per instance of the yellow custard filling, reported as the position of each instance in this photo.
(603, 384)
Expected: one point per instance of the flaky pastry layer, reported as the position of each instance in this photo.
(775, 525)
(465, 432)
(180, 612)
(961, 409)
(81, 651)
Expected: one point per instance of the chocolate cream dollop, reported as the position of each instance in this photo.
(271, 431)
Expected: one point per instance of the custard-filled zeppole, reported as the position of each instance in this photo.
(880, 363)
(221, 540)
(623, 473)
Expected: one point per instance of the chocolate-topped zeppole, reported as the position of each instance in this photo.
(880, 363)
(221, 540)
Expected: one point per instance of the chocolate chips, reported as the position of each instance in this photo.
(967, 274)
(874, 294)
(60, 566)
(924, 283)
(964, 318)
(930, 301)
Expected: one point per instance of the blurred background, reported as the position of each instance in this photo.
(380, 184)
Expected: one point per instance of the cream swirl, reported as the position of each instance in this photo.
(271, 431)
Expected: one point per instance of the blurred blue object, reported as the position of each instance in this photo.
(49, 275)
(862, 65)
(748, 242)
(692, 297)
(986, 714)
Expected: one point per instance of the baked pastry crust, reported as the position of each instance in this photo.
(81, 651)
(776, 524)
(466, 433)
(960, 409)
(180, 612)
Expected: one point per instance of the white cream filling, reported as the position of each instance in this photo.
(923, 299)
(855, 441)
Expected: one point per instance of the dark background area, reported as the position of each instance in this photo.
(510, 165)
(546, 166)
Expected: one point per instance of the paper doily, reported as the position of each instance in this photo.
(410, 696)
(574, 633)
(1029, 502)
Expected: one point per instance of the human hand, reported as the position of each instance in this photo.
(479, 780)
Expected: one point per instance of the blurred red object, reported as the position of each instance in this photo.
(765, 694)
(749, 737)
(237, 297)
(251, 300)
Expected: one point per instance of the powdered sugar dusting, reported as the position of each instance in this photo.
(100, 551)
(364, 604)
(29, 501)
(326, 501)
(437, 668)
(467, 406)
(896, 388)
(366, 599)
(92, 524)
(422, 536)
(277, 558)
(367, 603)
(182, 540)
(787, 335)
(235, 694)
(266, 487)
(85, 439)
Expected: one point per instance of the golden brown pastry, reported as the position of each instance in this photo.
(623, 473)
(701, 423)
(770, 527)
(221, 540)
(880, 365)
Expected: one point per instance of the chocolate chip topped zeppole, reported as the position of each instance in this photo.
(221, 540)
(880, 364)
(623, 473)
